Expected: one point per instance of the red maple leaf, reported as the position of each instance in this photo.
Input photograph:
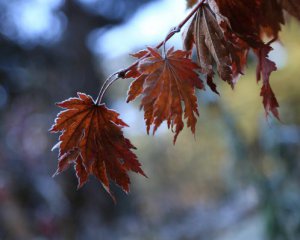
(92, 139)
(164, 83)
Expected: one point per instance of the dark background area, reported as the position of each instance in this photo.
(239, 179)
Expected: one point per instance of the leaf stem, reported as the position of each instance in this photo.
(104, 87)
(177, 29)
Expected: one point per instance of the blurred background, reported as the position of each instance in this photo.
(238, 179)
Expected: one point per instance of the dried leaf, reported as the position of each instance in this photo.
(224, 31)
(205, 60)
(205, 32)
(216, 43)
(188, 36)
(264, 69)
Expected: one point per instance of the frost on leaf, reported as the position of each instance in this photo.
(164, 83)
(216, 45)
(224, 31)
(92, 140)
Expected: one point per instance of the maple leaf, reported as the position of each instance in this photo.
(164, 83)
(264, 69)
(92, 139)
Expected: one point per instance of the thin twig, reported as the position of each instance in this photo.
(121, 73)
(170, 35)
(103, 87)
(99, 100)
(172, 32)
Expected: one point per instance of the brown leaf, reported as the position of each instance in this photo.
(271, 17)
(238, 50)
(250, 18)
(206, 33)
(188, 36)
(225, 30)
(264, 69)
(242, 15)
(217, 43)
(92, 139)
(164, 83)
(205, 59)
(292, 7)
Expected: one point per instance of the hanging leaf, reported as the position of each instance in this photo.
(92, 139)
(215, 45)
(209, 36)
(264, 69)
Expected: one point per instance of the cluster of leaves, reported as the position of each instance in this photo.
(222, 32)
